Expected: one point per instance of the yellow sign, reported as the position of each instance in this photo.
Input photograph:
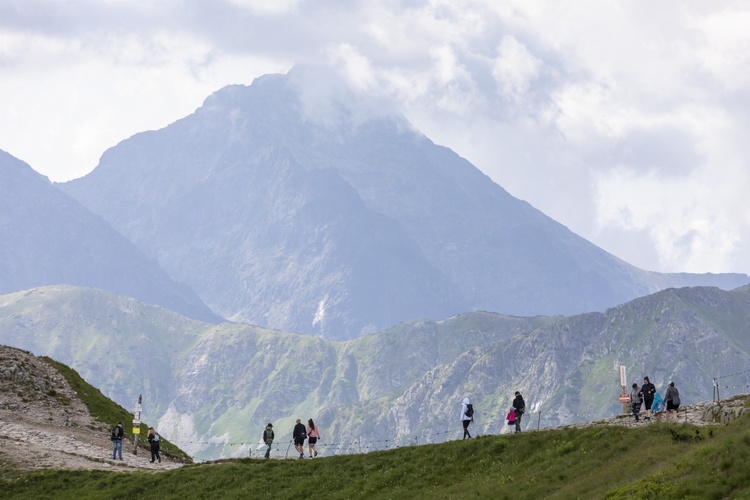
(136, 430)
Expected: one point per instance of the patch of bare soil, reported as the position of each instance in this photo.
(45, 425)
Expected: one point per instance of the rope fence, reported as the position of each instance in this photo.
(718, 386)
(532, 421)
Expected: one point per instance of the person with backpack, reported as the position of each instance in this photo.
(268, 439)
(117, 434)
(672, 397)
(313, 434)
(636, 400)
(647, 391)
(299, 435)
(520, 405)
(153, 439)
(467, 416)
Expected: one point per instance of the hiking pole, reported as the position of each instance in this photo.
(539, 420)
(287, 450)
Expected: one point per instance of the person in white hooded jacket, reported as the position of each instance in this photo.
(467, 416)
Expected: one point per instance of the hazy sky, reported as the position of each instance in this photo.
(627, 121)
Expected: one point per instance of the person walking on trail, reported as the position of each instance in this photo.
(672, 397)
(299, 435)
(153, 439)
(636, 400)
(117, 434)
(520, 405)
(467, 416)
(268, 439)
(313, 434)
(647, 391)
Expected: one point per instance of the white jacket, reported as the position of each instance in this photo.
(464, 405)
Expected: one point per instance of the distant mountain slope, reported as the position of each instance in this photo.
(213, 387)
(48, 238)
(342, 225)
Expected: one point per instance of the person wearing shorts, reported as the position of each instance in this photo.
(672, 396)
(299, 435)
(313, 434)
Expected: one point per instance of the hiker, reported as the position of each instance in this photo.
(647, 392)
(313, 433)
(511, 416)
(636, 400)
(520, 405)
(268, 439)
(467, 416)
(153, 439)
(672, 397)
(299, 435)
(117, 434)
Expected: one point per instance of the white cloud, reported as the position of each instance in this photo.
(579, 107)
(515, 68)
(275, 7)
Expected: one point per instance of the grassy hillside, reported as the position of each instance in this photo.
(653, 461)
(107, 411)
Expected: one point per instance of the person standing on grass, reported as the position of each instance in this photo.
(647, 391)
(672, 397)
(511, 416)
(520, 405)
(117, 434)
(313, 434)
(635, 400)
(268, 439)
(299, 435)
(467, 416)
(153, 439)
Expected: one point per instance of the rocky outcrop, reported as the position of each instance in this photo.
(45, 425)
(724, 411)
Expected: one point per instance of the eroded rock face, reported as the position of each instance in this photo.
(725, 411)
(45, 425)
(27, 381)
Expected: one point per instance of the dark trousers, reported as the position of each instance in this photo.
(466, 428)
(518, 421)
(155, 451)
(636, 410)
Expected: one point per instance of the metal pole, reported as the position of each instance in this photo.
(137, 424)
(716, 390)
(539, 420)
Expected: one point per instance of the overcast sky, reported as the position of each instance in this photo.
(627, 121)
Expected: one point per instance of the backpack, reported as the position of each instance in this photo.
(470, 410)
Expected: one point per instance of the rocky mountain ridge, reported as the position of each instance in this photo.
(48, 238)
(344, 224)
(210, 385)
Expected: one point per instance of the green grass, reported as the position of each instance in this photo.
(653, 461)
(108, 412)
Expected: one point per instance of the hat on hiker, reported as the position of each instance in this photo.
(269, 424)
